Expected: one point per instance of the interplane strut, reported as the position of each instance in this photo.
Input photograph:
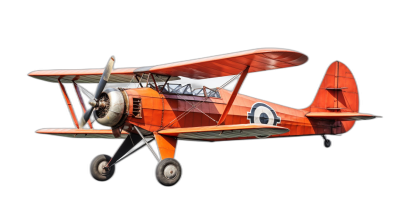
(233, 96)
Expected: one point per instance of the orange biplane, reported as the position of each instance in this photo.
(161, 110)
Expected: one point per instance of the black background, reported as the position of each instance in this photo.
(55, 168)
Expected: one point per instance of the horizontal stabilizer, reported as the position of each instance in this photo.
(225, 131)
(81, 133)
(341, 116)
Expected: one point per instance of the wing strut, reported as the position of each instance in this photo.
(71, 109)
(78, 92)
(233, 96)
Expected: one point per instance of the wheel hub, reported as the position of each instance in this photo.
(170, 171)
(102, 168)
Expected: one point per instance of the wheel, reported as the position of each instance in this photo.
(327, 143)
(97, 168)
(168, 172)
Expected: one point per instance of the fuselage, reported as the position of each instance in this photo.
(151, 112)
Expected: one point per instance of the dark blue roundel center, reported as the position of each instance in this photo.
(264, 118)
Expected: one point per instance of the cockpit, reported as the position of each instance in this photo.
(161, 84)
(187, 90)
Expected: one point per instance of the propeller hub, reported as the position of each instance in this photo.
(102, 104)
(93, 103)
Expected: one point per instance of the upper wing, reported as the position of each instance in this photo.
(341, 116)
(229, 64)
(204, 68)
(225, 131)
(119, 75)
(81, 133)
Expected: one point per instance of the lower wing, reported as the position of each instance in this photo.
(225, 131)
(81, 133)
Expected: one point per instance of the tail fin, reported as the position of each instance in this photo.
(337, 93)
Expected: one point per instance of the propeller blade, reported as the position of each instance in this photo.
(104, 78)
(85, 118)
(100, 87)
(86, 92)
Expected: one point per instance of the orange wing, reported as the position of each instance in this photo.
(225, 131)
(229, 64)
(120, 75)
(81, 133)
(204, 68)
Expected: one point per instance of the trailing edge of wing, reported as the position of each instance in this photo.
(81, 133)
(225, 131)
(341, 116)
(229, 64)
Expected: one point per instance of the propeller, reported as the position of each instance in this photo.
(89, 95)
(100, 87)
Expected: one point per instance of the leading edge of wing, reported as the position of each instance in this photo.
(225, 131)
(229, 64)
(81, 133)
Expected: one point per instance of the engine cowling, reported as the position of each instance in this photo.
(111, 109)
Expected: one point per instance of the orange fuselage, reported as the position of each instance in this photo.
(165, 111)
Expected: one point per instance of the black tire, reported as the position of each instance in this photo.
(176, 173)
(327, 143)
(94, 168)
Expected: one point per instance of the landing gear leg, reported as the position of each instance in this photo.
(102, 167)
(327, 142)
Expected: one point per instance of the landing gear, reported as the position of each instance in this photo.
(99, 170)
(168, 172)
(327, 142)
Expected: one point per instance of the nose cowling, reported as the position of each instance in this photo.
(111, 107)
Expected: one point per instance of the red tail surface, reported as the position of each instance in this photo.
(337, 93)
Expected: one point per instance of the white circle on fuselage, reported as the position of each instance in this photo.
(257, 114)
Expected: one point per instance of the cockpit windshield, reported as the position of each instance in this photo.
(187, 90)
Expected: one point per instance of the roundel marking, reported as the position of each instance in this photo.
(261, 113)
